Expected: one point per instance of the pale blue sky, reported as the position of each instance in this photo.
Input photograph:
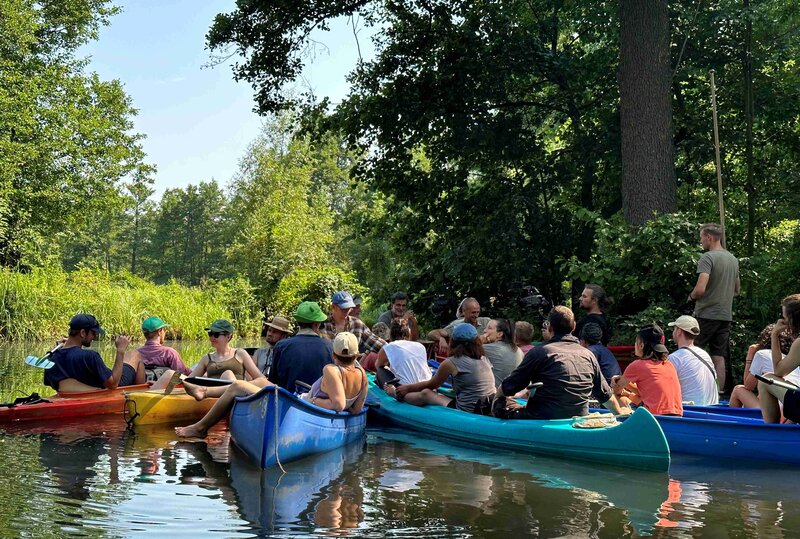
(197, 120)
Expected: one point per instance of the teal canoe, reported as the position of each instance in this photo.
(638, 442)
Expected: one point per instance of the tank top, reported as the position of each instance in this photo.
(473, 381)
(316, 390)
(214, 369)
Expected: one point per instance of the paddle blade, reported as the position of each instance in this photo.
(40, 362)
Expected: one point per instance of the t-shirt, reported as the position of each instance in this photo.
(595, 318)
(608, 363)
(571, 376)
(503, 358)
(658, 385)
(301, 357)
(483, 321)
(696, 375)
(85, 366)
(473, 381)
(762, 363)
(723, 270)
(263, 359)
(408, 360)
(154, 354)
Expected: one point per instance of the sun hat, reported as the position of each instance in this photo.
(154, 323)
(280, 323)
(687, 323)
(345, 344)
(222, 326)
(87, 322)
(343, 300)
(464, 332)
(308, 312)
(591, 333)
(653, 335)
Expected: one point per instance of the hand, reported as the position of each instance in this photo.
(401, 391)
(443, 346)
(780, 327)
(61, 341)
(409, 315)
(122, 342)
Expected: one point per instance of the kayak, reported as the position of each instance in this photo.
(152, 407)
(273, 427)
(636, 443)
(70, 405)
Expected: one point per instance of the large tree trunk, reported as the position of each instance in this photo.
(648, 167)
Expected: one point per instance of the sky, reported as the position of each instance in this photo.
(197, 120)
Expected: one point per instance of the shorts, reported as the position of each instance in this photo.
(791, 405)
(128, 377)
(714, 335)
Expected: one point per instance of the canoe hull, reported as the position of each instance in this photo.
(301, 428)
(70, 405)
(153, 407)
(637, 443)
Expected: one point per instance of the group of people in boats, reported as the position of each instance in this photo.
(491, 363)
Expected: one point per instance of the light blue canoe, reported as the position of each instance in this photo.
(637, 443)
(275, 426)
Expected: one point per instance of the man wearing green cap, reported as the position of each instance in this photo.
(302, 357)
(154, 355)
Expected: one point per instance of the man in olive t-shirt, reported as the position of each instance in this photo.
(717, 284)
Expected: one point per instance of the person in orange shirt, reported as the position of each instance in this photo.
(651, 380)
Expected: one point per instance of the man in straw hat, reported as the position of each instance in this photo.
(277, 329)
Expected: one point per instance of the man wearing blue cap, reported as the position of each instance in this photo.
(340, 320)
(77, 369)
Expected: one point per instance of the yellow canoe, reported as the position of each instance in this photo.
(152, 407)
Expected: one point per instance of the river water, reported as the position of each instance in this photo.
(94, 478)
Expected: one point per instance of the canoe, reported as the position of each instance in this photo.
(636, 443)
(152, 407)
(722, 409)
(273, 426)
(70, 405)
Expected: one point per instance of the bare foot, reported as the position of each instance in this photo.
(198, 392)
(192, 431)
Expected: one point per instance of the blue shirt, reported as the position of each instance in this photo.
(301, 357)
(85, 366)
(608, 363)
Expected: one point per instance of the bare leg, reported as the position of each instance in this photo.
(220, 409)
(770, 397)
(719, 366)
(227, 375)
(200, 392)
(427, 396)
(163, 380)
(741, 397)
(132, 358)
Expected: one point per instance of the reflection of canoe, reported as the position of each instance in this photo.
(274, 426)
(151, 407)
(641, 497)
(68, 405)
(269, 498)
(637, 443)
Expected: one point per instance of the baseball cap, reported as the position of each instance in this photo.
(308, 312)
(591, 333)
(653, 335)
(343, 300)
(345, 344)
(687, 323)
(464, 332)
(87, 322)
(281, 324)
(357, 300)
(221, 325)
(153, 323)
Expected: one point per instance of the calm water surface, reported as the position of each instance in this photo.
(96, 479)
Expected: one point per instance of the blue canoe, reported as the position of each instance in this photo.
(296, 430)
(636, 443)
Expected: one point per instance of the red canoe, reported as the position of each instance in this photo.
(70, 405)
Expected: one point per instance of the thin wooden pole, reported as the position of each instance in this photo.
(716, 151)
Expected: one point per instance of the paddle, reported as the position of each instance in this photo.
(207, 382)
(44, 361)
(779, 383)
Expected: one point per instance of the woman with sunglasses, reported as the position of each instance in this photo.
(224, 362)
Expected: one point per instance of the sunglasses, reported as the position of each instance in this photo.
(216, 334)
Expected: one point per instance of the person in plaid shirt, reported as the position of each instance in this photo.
(340, 320)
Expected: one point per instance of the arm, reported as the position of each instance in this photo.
(382, 360)
(791, 361)
(412, 322)
(177, 364)
(750, 381)
(614, 405)
(249, 365)
(359, 404)
(737, 287)
(121, 342)
(332, 385)
(446, 369)
(699, 289)
(200, 368)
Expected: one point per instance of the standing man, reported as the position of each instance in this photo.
(717, 284)
(279, 328)
(694, 366)
(595, 301)
(399, 309)
(340, 320)
(77, 369)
